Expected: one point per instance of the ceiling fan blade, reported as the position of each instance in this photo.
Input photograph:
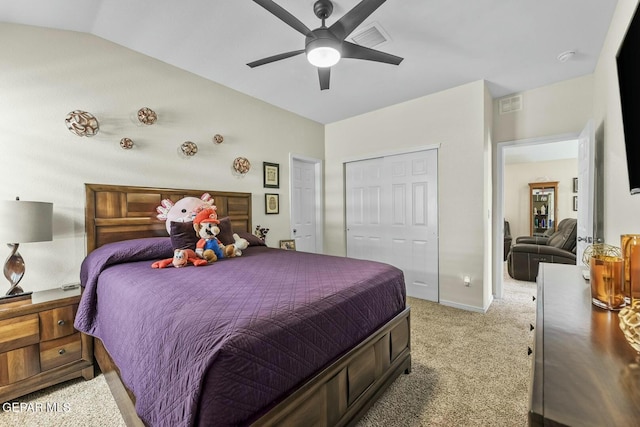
(285, 16)
(275, 58)
(350, 21)
(350, 50)
(324, 74)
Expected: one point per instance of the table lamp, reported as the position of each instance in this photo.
(22, 222)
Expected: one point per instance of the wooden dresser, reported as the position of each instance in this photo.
(39, 346)
(582, 371)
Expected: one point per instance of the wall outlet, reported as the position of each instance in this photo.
(467, 281)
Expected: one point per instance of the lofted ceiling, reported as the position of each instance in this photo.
(512, 44)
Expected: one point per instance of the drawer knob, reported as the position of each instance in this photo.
(61, 351)
(60, 322)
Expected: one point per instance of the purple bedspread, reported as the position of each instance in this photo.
(220, 344)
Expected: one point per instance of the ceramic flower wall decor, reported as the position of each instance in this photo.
(188, 149)
(147, 116)
(126, 143)
(241, 165)
(82, 123)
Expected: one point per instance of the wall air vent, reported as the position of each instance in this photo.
(370, 36)
(510, 104)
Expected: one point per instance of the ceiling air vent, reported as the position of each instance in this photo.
(510, 104)
(370, 36)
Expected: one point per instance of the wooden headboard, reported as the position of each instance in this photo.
(115, 212)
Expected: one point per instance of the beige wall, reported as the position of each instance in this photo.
(556, 109)
(621, 210)
(487, 289)
(517, 177)
(454, 119)
(560, 109)
(45, 74)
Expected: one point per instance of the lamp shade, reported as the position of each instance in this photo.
(24, 222)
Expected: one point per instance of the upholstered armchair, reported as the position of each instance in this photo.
(507, 239)
(528, 252)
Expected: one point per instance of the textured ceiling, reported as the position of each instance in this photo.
(512, 44)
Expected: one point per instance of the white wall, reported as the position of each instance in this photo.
(45, 74)
(517, 177)
(455, 119)
(621, 210)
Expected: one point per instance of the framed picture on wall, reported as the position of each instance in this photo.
(271, 204)
(575, 185)
(575, 203)
(271, 172)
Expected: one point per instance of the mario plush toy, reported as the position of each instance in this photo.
(206, 225)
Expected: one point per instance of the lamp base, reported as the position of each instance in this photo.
(4, 299)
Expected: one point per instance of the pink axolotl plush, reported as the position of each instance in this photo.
(184, 210)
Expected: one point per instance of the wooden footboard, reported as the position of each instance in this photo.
(337, 396)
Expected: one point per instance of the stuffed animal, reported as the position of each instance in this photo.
(261, 232)
(184, 210)
(205, 224)
(181, 258)
(235, 249)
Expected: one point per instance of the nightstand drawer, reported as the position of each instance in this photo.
(16, 365)
(58, 352)
(18, 332)
(57, 323)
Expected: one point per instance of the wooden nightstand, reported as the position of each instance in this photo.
(39, 346)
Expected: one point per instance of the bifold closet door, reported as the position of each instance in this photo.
(392, 216)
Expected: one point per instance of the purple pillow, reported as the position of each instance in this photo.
(183, 235)
(226, 231)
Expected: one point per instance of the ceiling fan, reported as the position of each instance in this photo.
(325, 46)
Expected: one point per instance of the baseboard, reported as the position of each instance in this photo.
(465, 306)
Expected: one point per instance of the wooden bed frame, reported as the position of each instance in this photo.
(338, 395)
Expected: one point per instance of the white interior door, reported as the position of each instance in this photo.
(392, 216)
(303, 205)
(586, 170)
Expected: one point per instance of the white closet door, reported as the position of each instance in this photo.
(364, 210)
(392, 216)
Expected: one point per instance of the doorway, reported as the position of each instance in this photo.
(392, 216)
(530, 150)
(306, 203)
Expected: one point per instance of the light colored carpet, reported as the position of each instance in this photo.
(468, 369)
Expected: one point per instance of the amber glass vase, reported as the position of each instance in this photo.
(607, 279)
(630, 247)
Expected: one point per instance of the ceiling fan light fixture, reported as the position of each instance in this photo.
(322, 48)
(323, 56)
